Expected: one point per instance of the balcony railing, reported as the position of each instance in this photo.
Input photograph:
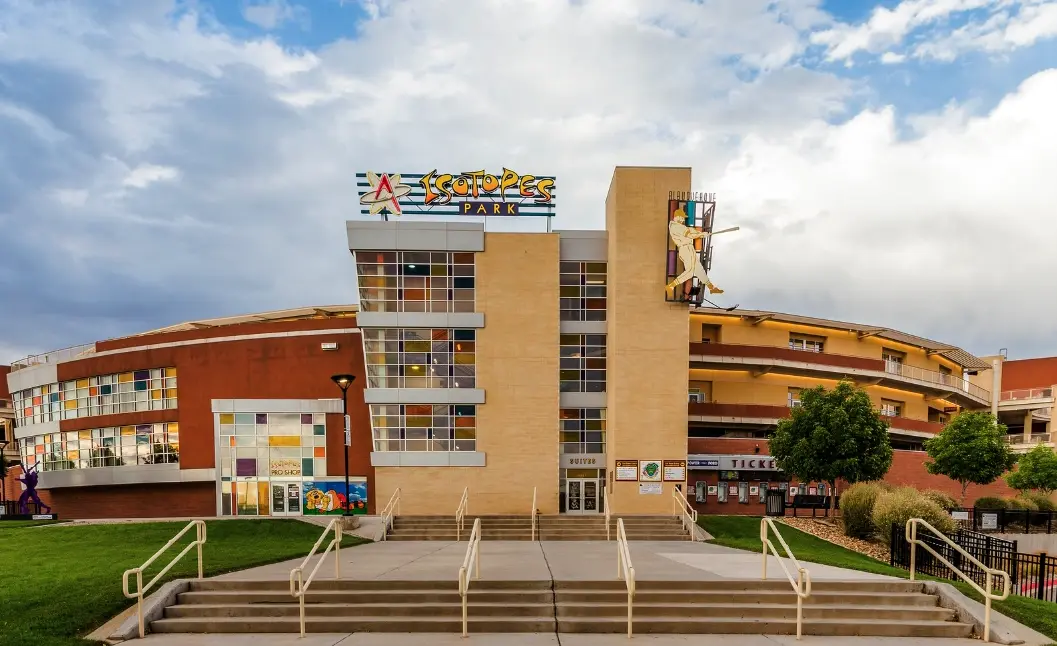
(764, 411)
(1036, 438)
(52, 357)
(893, 368)
(1026, 393)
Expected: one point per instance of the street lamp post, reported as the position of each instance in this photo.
(343, 382)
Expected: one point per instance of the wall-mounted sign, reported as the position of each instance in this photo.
(285, 467)
(689, 251)
(754, 491)
(674, 470)
(583, 461)
(729, 475)
(650, 488)
(733, 462)
(713, 490)
(732, 490)
(989, 521)
(650, 470)
(960, 515)
(473, 193)
(627, 470)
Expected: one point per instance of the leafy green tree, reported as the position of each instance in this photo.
(833, 435)
(970, 449)
(1036, 471)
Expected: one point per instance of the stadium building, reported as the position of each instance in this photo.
(569, 367)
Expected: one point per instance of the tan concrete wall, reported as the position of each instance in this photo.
(647, 337)
(517, 366)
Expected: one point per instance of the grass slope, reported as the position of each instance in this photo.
(60, 583)
(743, 532)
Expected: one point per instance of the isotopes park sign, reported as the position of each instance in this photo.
(470, 193)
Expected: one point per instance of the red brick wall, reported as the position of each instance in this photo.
(241, 329)
(292, 367)
(908, 468)
(169, 500)
(771, 352)
(1029, 373)
(4, 392)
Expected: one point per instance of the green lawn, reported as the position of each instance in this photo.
(60, 583)
(743, 532)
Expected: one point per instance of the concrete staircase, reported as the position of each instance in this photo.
(550, 528)
(844, 608)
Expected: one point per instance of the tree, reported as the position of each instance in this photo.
(971, 448)
(1036, 470)
(833, 435)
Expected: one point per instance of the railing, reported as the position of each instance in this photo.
(1034, 438)
(471, 567)
(200, 540)
(685, 511)
(53, 356)
(934, 377)
(1025, 393)
(535, 514)
(987, 593)
(460, 513)
(298, 584)
(802, 583)
(625, 570)
(392, 509)
(605, 509)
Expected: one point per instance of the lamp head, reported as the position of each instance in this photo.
(343, 381)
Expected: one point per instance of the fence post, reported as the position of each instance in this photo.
(1049, 522)
(1040, 581)
(892, 546)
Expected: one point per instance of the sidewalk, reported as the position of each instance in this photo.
(549, 560)
(538, 639)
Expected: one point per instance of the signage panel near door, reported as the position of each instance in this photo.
(583, 460)
(675, 470)
(627, 470)
(733, 462)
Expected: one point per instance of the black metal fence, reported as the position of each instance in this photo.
(1006, 521)
(1030, 575)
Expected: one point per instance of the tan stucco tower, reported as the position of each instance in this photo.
(647, 338)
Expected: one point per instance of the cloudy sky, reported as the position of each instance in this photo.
(889, 163)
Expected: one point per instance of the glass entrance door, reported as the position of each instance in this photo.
(582, 496)
(286, 499)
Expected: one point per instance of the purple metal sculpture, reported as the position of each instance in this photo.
(29, 478)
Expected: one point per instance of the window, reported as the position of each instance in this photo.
(763, 491)
(127, 392)
(696, 396)
(700, 392)
(583, 363)
(806, 343)
(424, 427)
(583, 430)
(103, 447)
(582, 291)
(721, 492)
(415, 281)
(893, 360)
(743, 493)
(263, 445)
(891, 408)
(420, 358)
(793, 397)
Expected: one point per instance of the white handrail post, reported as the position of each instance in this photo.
(533, 512)
(987, 609)
(200, 538)
(799, 603)
(139, 601)
(913, 547)
(337, 550)
(763, 544)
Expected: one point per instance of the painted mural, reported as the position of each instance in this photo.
(328, 498)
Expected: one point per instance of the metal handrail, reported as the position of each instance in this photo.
(1034, 438)
(200, 540)
(605, 503)
(471, 566)
(392, 508)
(625, 570)
(802, 583)
(534, 520)
(460, 513)
(988, 594)
(685, 511)
(62, 354)
(298, 584)
(1026, 393)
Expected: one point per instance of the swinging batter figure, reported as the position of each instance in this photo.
(684, 237)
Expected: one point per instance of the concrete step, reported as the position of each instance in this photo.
(753, 611)
(742, 626)
(382, 624)
(900, 586)
(391, 598)
(371, 585)
(374, 609)
(747, 597)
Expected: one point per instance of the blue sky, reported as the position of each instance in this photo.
(168, 160)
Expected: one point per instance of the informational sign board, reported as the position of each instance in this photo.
(650, 488)
(285, 467)
(713, 490)
(960, 515)
(988, 521)
(628, 470)
(674, 470)
(505, 193)
(650, 470)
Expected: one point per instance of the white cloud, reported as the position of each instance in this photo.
(1001, 32)
(146, 174)
(269, 14)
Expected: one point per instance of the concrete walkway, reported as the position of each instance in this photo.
(549, 560)
(538, 639)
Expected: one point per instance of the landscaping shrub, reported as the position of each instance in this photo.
(905, 503)
(945, 501)
(1021, 503)
(990, 502)
(1041, 500)
(856, 506)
